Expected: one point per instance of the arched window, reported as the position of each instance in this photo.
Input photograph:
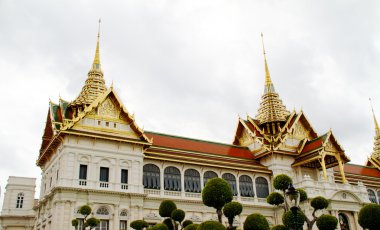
(209, 175)
(378, 197)
(231, 180)
(20, 200)
(192, 181)
(151, 176)
(262, 189)
(246, 186)
(172, 179)
(343, 222)
(102, 211)
(372, 196)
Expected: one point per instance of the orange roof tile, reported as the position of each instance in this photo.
(182, 143)
(312, 145)
(360, 170)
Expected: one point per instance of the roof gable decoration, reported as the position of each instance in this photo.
(105, 107)
(300, 127)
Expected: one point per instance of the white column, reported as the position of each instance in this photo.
(356, 220)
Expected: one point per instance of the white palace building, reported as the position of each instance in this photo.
(93, 152)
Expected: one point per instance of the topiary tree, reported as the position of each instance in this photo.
(178, 215)
(139, 224)
(92, 222)
(318, 203)
(279, 227)
(282, 182)
(166, 208)
(216, 193)
(327, 222)
(303, 194)
(191, 227)
(170, 223)
(160, 227)
(256, 221)
(289, 219)
(275, 198)
(186, 223)
(211, 225)
(230, 210)
(369, 216)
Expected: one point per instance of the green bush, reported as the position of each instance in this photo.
(279, 227)
(211, 225)
(319, 202)
(275, 198)
(186, 222)
(256, 221)
(288, 219)
(74, 222)
(166, 208)
(160, 227)
(138, 224)
(303, 194)
(369, 216)
(169, 223)
(191, 227)
(232, 209)
(216, 193)
(327, 222)
(178, 215)
(282, 182)
(92, 222)
(85, 210)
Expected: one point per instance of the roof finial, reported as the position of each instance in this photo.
(377, 129)
(96, 63)
(268, 81)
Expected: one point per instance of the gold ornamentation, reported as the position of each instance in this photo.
(107, 108)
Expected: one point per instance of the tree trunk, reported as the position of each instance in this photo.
(219, 212)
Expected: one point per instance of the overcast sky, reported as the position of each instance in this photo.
(189, 68)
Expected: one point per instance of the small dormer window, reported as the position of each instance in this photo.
(114, 125)
(99, 123)
(107, 124)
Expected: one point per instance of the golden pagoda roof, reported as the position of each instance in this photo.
(271, 107)
(95, 84)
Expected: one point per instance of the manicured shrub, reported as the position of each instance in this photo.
(279, 227)
(85, 210)
(169, 223)
(74, 222)
(256, 221)
(216, 193)
(369, 216)
(160, 227)
(319, 202)
(275, 198)
(288, 219)
(186, 223)
(282, 182)
(327, 222)
(211, 225)
(138, 224)
(303, 194)
(92, 222)
(166, 208)
(191, 227)
(230, 210)
(178, 215)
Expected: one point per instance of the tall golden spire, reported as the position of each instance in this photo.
(376, 145)
(96, 63)
(377, 129)
(271, 107)
(95, 84)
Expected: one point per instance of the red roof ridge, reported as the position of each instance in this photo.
(193, 139)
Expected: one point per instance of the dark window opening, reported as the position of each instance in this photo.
(192, 181)
(83, 172)
(231, 180)
(208, 175)
(172, 179)
(262, 189)
(151, 176)
(104, 174)
(246, 186)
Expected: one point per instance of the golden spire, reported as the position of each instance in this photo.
(376, 146)
(268, 81)
(96, 63)
(95, 84)
(271, 107)
(377, 129)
